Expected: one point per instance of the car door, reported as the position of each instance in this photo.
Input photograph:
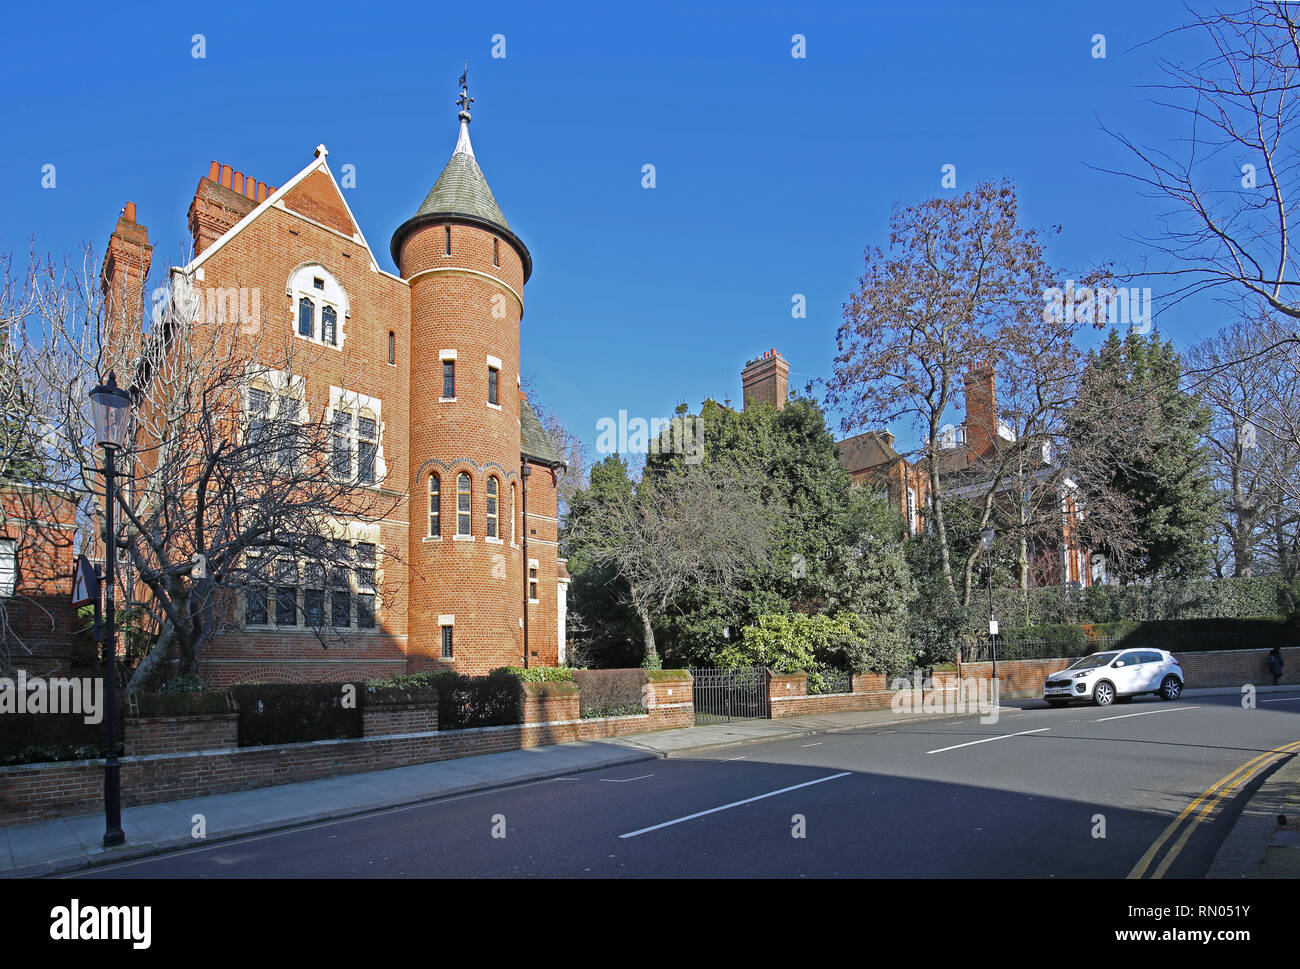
(1126, 672)
(1153, 669)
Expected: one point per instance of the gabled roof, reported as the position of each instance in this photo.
(533, 442)
(276, 200)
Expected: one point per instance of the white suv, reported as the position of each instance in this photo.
(1119, 675)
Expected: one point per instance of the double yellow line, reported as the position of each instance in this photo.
(1202, 808)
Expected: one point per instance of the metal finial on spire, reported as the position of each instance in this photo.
(464, 101)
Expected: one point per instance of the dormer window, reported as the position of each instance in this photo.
(320, 306)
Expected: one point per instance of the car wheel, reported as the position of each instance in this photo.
(1171, 688)
(1103, 694)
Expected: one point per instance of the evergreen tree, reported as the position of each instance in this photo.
(1143, 434)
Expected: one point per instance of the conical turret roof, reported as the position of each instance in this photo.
(461, 194)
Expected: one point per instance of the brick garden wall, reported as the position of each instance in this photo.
(171, 758)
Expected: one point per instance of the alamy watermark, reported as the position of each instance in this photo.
(949, 695)
(658, 435)
(1117, 305)
(82, 695)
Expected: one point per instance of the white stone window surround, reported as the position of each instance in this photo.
(353, 533)
(302, 284)
(358, 404)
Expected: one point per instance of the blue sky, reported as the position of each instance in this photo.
(772, 172)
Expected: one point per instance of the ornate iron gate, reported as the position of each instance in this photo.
(736, 694)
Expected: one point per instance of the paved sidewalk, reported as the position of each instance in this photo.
(1259, 846)
(73, 843)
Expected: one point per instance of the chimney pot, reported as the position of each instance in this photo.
(214, 171)
(226, 173)
(128, 213)
(237, 183)
(261, 192)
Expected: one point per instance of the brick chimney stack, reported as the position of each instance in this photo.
(223, 198)
(766, 380)
(126, 265)
(981, 412)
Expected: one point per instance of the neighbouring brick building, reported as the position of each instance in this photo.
(964, 454)
(37, 535)
(431, 410)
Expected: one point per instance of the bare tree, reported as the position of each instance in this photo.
(1251, 379)
(696, 526)
(1232, 178)
(236, 481)
(962, 285)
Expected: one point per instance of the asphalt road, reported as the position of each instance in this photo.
(936, 798)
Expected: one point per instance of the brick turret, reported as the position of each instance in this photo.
(466, 271)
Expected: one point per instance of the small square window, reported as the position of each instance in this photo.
(318, 282)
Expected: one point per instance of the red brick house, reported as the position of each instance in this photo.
(872, 461)
(435, 415)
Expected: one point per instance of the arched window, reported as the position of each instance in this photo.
(307, 318)
(435, 505)
(462, 504)
(447, 230)
(513, 536)
(392, 347)
(492, 517)
(322, 305)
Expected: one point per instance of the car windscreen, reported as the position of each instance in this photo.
(1093, 661)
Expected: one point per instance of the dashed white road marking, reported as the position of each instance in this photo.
(624, 780)
(986, 740)
(1285, 699)
(724, 807)
(818, 744)
(1125, 716)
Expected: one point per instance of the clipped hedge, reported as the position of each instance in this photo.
(292, 713)
(1227, 598)
(479, 701)
(536, 674)
(611, 693)
(1174, 635)
(182, 704)
(33, 738)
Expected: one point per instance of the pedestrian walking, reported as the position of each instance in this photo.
(1275, 664)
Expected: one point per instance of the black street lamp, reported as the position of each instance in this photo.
(110, 408)
(986, 537)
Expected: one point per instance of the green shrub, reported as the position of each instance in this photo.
(1174, 635)
(190, 683)
(603, 691)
